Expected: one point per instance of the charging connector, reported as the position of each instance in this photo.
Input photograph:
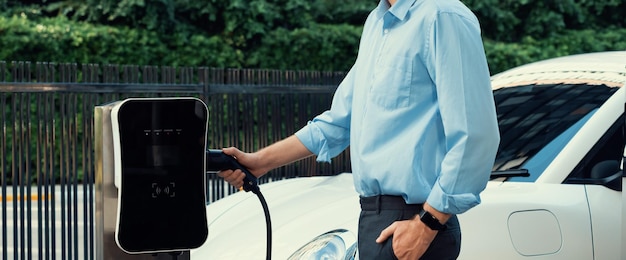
(217, 160)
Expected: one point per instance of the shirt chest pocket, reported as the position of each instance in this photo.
(391, 85)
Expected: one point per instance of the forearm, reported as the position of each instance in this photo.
(283, 152)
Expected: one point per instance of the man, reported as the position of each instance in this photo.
(417, 111)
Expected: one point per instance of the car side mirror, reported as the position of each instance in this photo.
(608, 173)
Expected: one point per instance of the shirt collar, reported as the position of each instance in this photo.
(400, 9)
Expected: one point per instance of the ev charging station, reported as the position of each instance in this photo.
(150, 178)
(150, 186)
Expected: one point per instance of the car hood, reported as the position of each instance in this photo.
(326, 203)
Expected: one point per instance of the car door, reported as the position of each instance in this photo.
(520, 220)
(599, 171)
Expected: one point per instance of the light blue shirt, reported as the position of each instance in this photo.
(416, 109)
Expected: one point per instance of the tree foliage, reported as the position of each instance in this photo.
(333, 46)
(512, 20)
(294, 34)
(504, 55)
(61, 40)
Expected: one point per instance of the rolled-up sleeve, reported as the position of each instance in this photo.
(465, 99)
(328, 134)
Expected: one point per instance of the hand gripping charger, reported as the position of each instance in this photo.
(159, 150)
(218, 161)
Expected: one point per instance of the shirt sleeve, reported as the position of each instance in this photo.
(328, 134)
(458, 66)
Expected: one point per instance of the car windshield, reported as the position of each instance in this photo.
(537, 121)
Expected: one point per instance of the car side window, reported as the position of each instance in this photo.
(610, 147)
(537, 121)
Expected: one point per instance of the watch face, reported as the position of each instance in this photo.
(431, 221)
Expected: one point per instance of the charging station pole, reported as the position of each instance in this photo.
(105, 191)
(106, 196)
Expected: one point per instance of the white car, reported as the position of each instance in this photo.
(555, 192)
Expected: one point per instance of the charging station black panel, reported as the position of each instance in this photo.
(162, 195)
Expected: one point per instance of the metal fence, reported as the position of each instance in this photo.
(47, 153)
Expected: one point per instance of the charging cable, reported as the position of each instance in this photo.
(217, 160)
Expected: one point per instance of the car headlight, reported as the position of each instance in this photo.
(334, 245)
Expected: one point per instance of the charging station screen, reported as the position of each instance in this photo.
(162, 202)
(163, 155)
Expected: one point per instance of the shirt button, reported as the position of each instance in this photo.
(386, 31)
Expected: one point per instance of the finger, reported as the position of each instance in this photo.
(228, 175)
(232, 151)
(224, 173)
(234, 176)
(238, 179)
(386, 233)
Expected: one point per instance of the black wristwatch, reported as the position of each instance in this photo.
(431, 221)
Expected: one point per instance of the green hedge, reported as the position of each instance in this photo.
(510, 21)
(319, 47)
(502, 56)
(329, 47)
(61, 40)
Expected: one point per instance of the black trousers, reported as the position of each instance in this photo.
(378, 212)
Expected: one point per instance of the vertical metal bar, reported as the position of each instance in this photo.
(264, 118)
(145, 74)
(87, 149)
(68, 162)
(21, 197)
(46, 168)
(69, 176)
(85, 164)
(247, 112)
(88, 179)
(165, 74)
(38, 157)
(234, 119)
(62, 190)
(48, 175)
(3, 145)
(72, 173)
(40, 78)
(276, 100)
(74, 169)
(52, 177)
(62, 164)
(43, 169)
(26, 123)
(3, 71)
(45, 179)
(3, 201)
(15, 67)
(223, 139)
(219, 77)
(15, 182)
